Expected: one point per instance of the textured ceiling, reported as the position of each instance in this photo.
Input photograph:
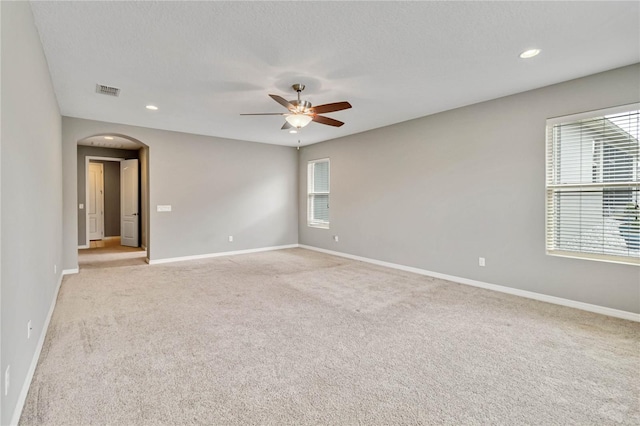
(204, 63)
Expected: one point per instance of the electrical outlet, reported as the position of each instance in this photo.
(29, 328)
(481, 261)
(230, 238)
(81, 206)
(335, 238)
(7, 372)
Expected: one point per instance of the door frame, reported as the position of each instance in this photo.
(87, 160)
(101, 196)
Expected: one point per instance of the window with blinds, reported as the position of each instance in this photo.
(593, 185)
(318, 193)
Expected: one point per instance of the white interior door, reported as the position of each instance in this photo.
(129, 203)
(95, 203)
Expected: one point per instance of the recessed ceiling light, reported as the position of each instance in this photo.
(529, 53)
(152, 107)
(293, 131)
(110, 138)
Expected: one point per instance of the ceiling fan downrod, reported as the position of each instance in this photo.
(301, 106)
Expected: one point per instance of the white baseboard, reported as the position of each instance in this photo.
(502, 289)
(225, 253)
(17, 412)
(85, 246)
(70, 271)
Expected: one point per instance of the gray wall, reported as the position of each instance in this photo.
(217, 187)
(31, 196)
(144, 195)
(112, 194)
(438, 192)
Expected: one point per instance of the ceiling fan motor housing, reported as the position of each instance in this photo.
(301, 106)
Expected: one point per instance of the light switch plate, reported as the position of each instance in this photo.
(164, 208)
(81, 206)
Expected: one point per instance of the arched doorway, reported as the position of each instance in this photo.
(113, 201)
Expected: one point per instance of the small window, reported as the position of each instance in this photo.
(318, 193)
(593, 185)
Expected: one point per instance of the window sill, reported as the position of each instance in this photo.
(595, 257)
(318, 225)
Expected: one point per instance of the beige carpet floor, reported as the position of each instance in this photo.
(109, 253)
(295, 337)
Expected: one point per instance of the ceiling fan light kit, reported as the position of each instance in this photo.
(302, 112)
(298, 120)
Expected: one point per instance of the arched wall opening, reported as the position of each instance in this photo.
(105, 208)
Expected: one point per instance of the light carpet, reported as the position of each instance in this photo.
(295, 337)
(110, 254)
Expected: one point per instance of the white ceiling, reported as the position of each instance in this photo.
(204, 63)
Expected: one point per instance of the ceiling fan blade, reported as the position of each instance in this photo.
(282, 101)
(336, 106)
(286, 126)
(326, 120)
(267, 113)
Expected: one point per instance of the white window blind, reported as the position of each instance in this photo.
(318, 193)
(593, 185)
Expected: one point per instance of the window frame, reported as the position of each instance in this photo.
(311, 193)
(552, 188)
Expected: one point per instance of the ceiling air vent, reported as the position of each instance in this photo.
(107, 90)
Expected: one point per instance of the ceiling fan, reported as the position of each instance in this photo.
(302, 112)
